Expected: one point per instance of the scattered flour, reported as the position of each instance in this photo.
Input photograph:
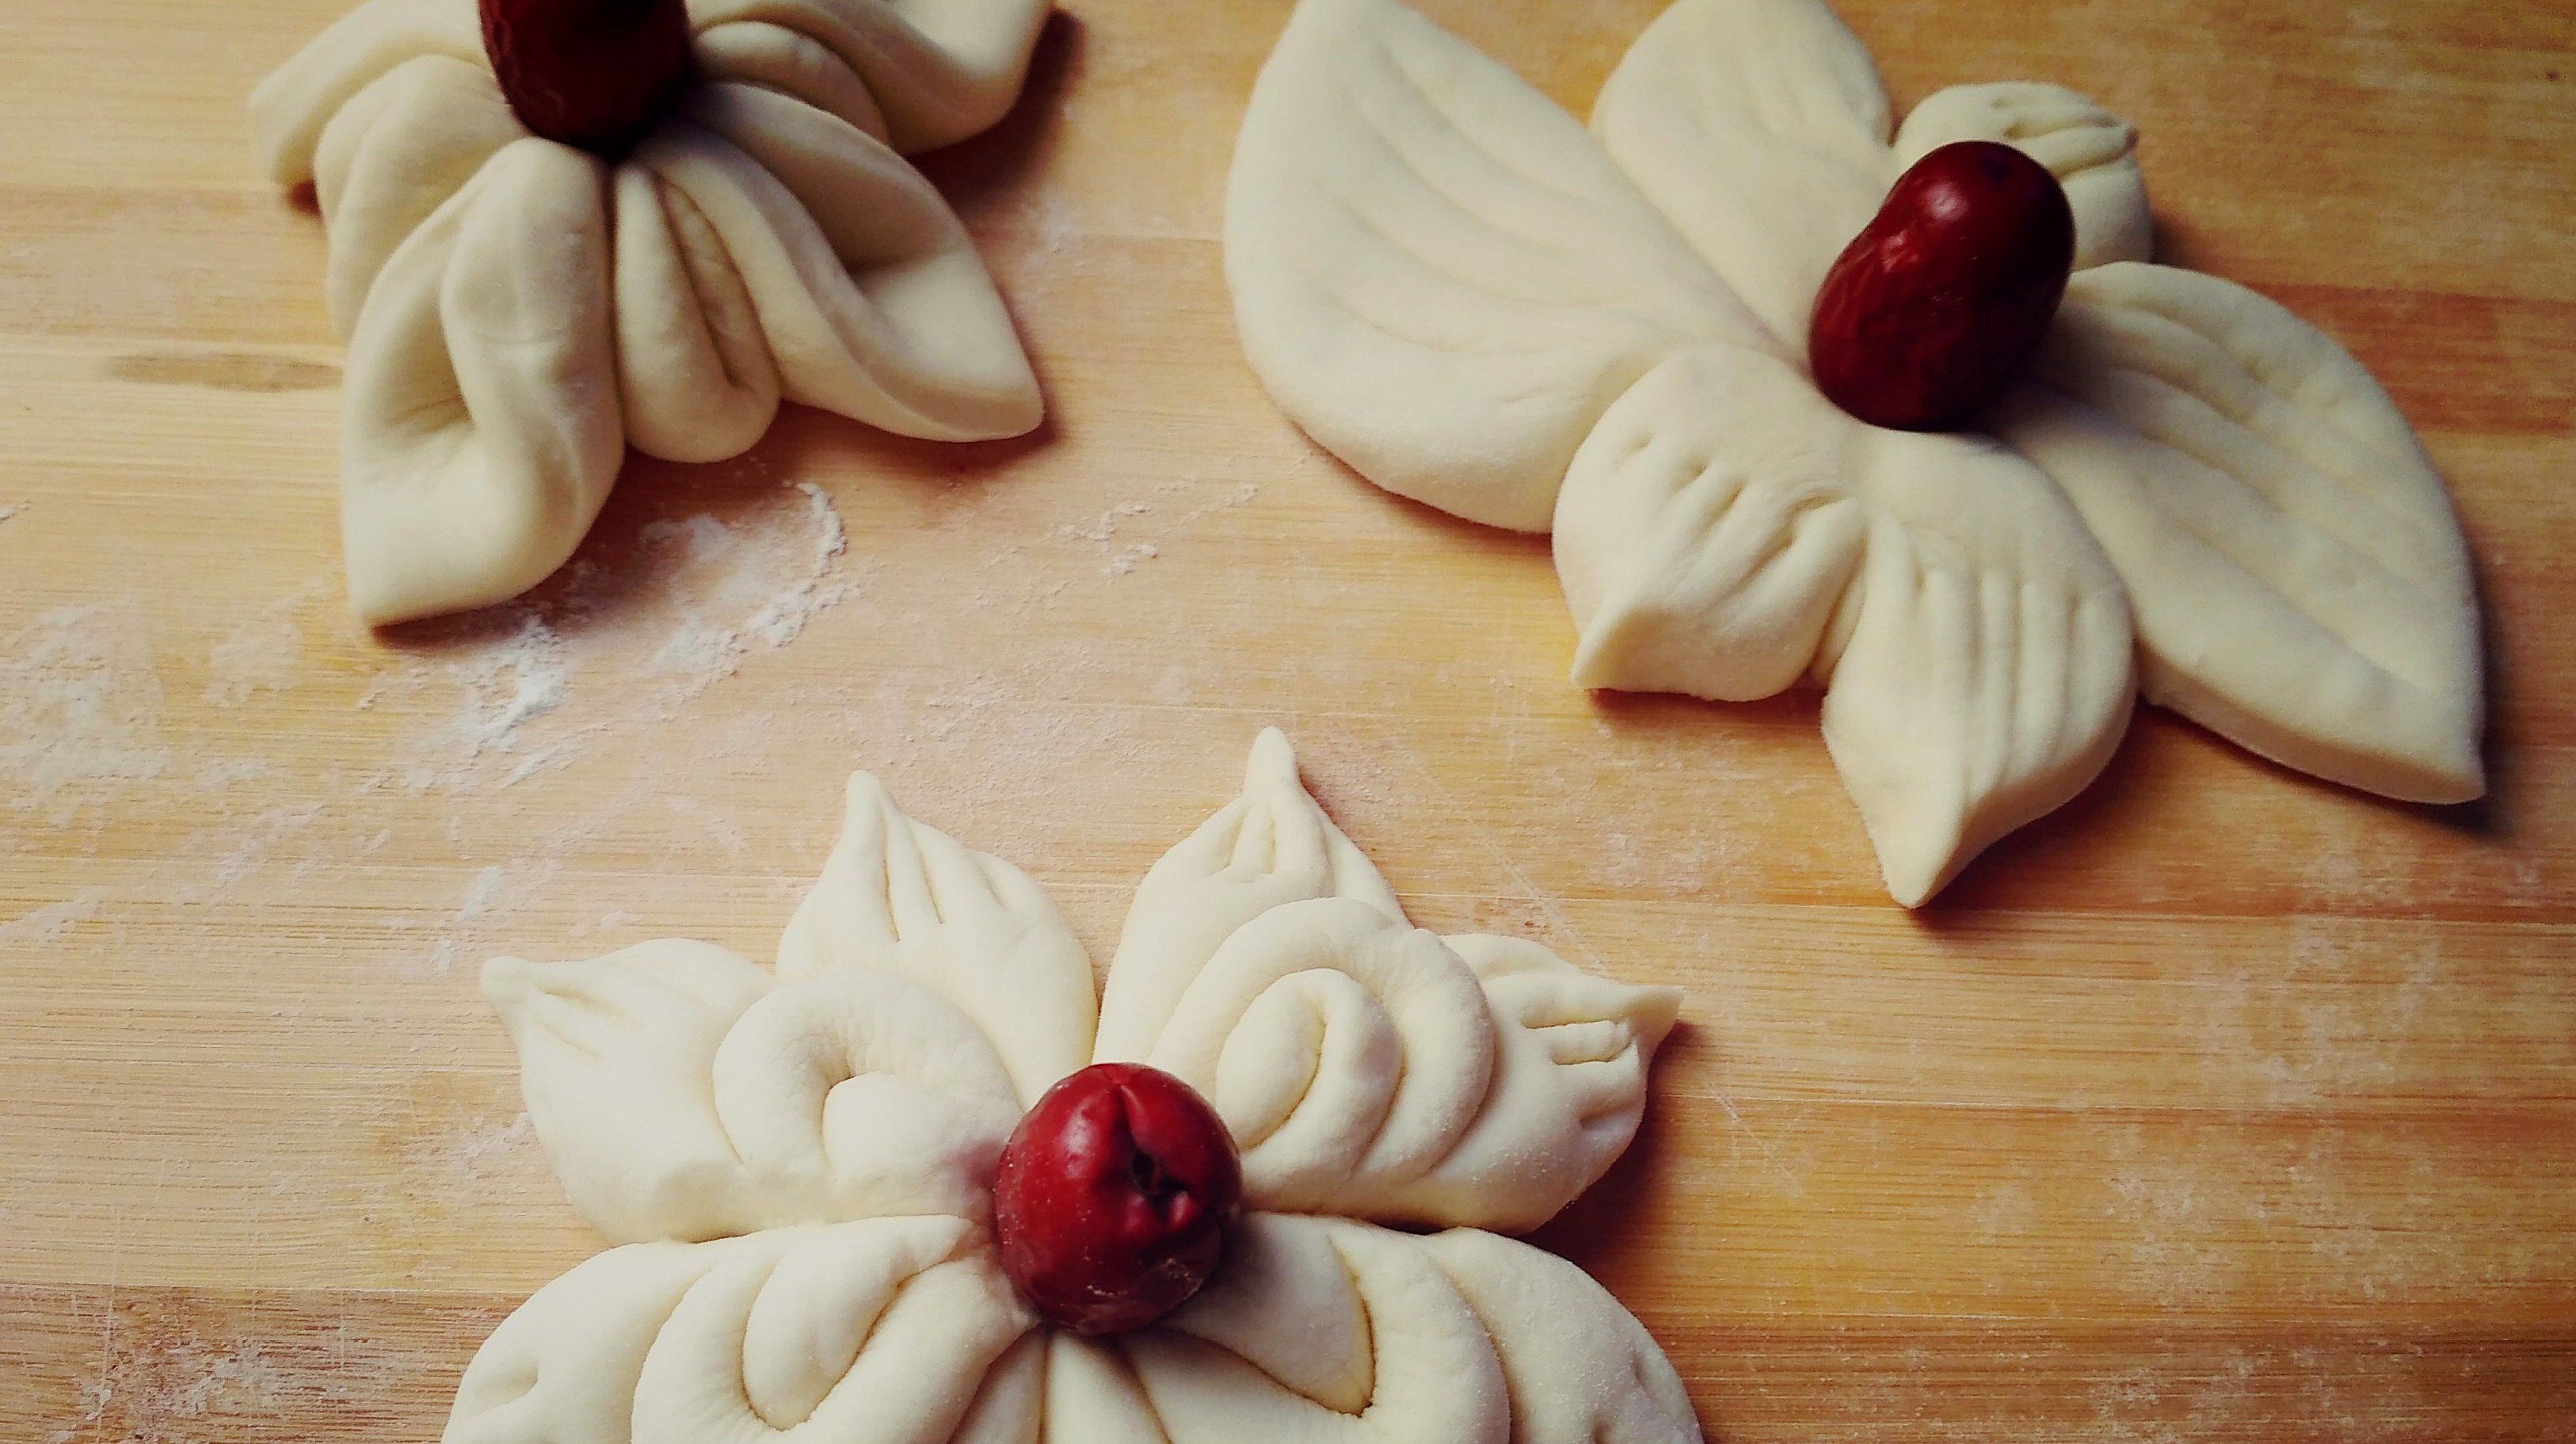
(45, 924)
(158, 1383)
(261, 655)
(81, 711)
(701, 595)
(488, 1163)
(1125, 555)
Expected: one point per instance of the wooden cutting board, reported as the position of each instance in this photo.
(2222, 1105)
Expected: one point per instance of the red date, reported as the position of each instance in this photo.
(1935, 305)
(591, 73)
(1113, 1197)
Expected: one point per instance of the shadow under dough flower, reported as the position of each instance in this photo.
(1478, 304)
(800, 1166)
(519, 311)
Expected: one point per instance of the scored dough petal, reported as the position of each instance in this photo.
(937, 70)
(1328, 1332)
(1760, 128)
(870, 293)
(886, 1331)
(2093, 154)
(906, 899)
(682, 1095)
(1373, 1070)
(1727, 529)
(482, 423)
(1270, 846)
(2300, 582)
(1435, 271)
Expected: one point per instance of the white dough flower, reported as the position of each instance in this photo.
(1475, 302)
(520, 311)
(799, 1166)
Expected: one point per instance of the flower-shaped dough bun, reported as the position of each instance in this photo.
(519, 312)
(1481, 305)
(798, 1167)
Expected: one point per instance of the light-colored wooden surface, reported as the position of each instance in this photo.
(2224, 1105)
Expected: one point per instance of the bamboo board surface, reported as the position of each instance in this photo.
(2223, 1105)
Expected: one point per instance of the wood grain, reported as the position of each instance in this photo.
(2223, 1105)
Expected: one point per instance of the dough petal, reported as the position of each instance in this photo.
(1373, 1070)
(905, 899)
(1727, 529)
(616, 1060)
(2092, 152)
(1436, 272)
(290, 107)
(939, 70)
(392, 156)
(856, 1093)
(2300, 582)
(886, 1331)
(1271, 845)
(1579, 1366)
(482, 419)
(768, 54)
(699, 382)
(1760, 128)
(1568, 1092)
(682, 1095)
(1335, 1331)
(870, 292)
(1347, 1051)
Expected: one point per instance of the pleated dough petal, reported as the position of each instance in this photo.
(1436, 272)
(1727, 529)
(2092, 152)
(1323, 1331)
(870, 293)
(887, 1331)
(2300, 582)
(393, 155)
(683, 1095)
(1760, 128)
(482, 416)
(938, 70)
(1271, 845)
(292, 105)
(700, 384)
(901, 898)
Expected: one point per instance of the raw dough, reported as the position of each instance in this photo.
(1474, 304)
(799, 1166)
(520, 312)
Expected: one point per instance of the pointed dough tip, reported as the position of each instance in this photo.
(507, 982)
(1653, 1013)
(1273, 761)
